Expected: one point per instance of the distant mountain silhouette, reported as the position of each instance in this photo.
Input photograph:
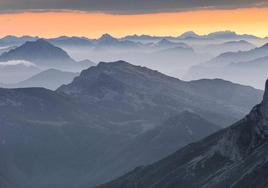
(230, 46)
(190, 35)
(235, 66)
(39, 52)
(43, 54)
(50, 79)
(143, 38)
(166, 43)
(230, 35)
(15, 41)
(108, 41)
(232, 57)
(65, 41)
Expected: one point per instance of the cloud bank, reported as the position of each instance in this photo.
(126, 6)
(17, 62)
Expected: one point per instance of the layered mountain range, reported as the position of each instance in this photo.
(108, 120)
(235, 66)
(169, 55)
(20, 64)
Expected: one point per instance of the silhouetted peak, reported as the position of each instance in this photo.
(189, 34)
(106, 36)
(223, 33)
(165, 42)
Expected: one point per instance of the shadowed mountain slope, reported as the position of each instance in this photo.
(233, 157)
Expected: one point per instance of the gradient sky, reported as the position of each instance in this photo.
(61, 17)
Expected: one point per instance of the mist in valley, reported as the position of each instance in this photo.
(90, 110)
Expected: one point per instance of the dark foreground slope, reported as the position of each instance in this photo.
(234, 157)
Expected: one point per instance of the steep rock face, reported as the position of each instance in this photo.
(233, 157)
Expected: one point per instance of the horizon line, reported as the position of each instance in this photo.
(133, 34)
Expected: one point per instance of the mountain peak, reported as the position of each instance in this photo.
(9, 37)
(41, 53)
(222, 34)
(165, 42)
(189, 34)
(106, 36)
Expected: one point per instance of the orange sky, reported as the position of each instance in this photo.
(51, 24)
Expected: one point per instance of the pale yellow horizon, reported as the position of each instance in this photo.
(92, 25)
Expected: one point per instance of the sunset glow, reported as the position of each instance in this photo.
(52, 24)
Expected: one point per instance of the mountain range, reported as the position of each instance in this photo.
(15, 41)
(64, 41)
(230, 46)
(190, 35)
(233, 157)
(83, 133)
(170, 55)
(235, 66)
(131, 41)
